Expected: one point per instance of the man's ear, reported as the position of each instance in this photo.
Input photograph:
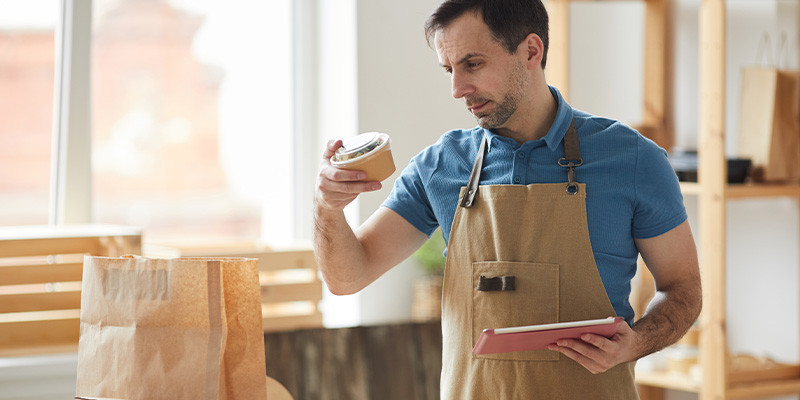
(534, 50)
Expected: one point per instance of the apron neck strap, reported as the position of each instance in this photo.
(571, 150)
(572, 159)
(474, 176)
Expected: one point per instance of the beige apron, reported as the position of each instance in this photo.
(538, 234)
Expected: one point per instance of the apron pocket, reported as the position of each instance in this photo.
(532, 299)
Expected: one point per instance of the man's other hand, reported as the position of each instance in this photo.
(597, 353)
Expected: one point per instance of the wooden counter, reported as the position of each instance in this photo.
(386, 362)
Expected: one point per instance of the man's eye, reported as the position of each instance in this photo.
(473, 64)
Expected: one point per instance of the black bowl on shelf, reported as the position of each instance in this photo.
(685, 165)
(738, 169)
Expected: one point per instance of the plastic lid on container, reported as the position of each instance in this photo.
(357, 146)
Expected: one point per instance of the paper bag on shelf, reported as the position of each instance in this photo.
(182, 328)
(769, 123)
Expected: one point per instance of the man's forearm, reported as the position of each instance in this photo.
(667, 319)
(340, 256)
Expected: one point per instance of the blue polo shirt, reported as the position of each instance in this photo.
(631, 189)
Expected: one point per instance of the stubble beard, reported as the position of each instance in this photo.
(498, 117)
(508, 106)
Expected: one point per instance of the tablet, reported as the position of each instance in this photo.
(537, 337)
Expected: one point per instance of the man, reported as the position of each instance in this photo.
(557, 201)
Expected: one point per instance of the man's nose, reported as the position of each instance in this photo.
(460, 85)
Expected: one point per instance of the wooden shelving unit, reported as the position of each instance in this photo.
(712, 190)
(713, 196)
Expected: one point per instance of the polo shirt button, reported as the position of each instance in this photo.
(520, 155)
(517, 179)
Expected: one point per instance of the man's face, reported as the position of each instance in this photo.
(491, 81)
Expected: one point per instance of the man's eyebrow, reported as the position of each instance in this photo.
(464, 59)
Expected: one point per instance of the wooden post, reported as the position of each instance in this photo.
(557, 68)
(644, 289)
(712, 178)
(657, 87)
(650, 392)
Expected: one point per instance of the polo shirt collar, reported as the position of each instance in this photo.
(560, 125)
(557, 130)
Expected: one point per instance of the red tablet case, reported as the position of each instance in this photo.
(491, 343)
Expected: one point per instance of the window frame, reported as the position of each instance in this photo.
(71, 169)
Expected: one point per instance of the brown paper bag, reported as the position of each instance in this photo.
(183, 328)
(769, 123)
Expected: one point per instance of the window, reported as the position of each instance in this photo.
(192, 119)
(27, 59)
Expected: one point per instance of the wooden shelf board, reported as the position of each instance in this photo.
(54, 348)
(604, 1)
(761, 190)
(667, 380)
(761, 388)
(691, 188)
(744, 191)
(764, 389)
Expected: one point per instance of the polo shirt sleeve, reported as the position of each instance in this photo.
(659, 203)
(409, 198)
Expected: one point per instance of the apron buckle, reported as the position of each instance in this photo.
(572, 185)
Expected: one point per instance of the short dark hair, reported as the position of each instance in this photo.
(510, 21)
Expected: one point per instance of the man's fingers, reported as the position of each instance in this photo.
(586, 362)
(343, 193)
(330, 149)
(356, 187)
(581, 347)
(340, 175)
(330, 187)
(597, 341)
(590, 356)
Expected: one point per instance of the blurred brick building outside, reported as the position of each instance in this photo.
(155, 127)
(26, 115)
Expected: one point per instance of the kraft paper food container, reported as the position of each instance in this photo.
(370, 152)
